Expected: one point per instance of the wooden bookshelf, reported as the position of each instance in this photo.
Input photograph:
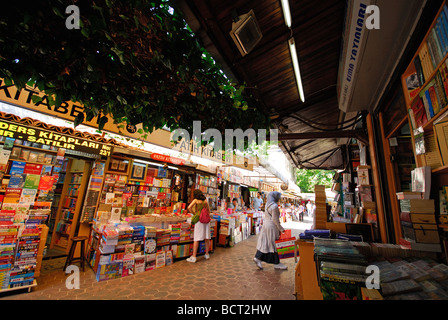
(74, 167)
(437, 97)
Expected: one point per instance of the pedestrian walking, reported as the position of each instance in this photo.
(201, 230)
(300, 211)
(270, 232)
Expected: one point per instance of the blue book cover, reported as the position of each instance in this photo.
(430, 108)
(17, 167)
(444, 16)
(17, 181)
(440, 37)
(443, 31)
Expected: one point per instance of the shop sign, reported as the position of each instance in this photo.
(165, 158)
(352, 47)
(68, 110)
(50, 138)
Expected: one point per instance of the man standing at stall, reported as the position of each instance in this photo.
(257, 202)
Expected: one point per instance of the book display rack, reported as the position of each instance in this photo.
(424, 85)
(403, 274)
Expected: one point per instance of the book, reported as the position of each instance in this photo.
(409, 195)
(33, 156)
(32, 168)
(24, 154)
(17, 181)
(419, 69)
(417, 205)
(365, 193)
(17, 167)
(28, 196)
(46, 170)
(441, 137)
(139, 263)
(400, 286)
(40, 157)
(417, 113)
(413, 84)
(160, 259)
(48, 159)
(15, 153)
(421, 180)
(31, 181)
(46, 182)
(151, 261)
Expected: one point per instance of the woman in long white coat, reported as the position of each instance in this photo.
(270, 232)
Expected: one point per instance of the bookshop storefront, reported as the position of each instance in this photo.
(61, 183)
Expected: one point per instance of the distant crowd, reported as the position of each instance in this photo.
(293, 212)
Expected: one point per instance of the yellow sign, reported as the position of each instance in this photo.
(49, 138)
(68, 110)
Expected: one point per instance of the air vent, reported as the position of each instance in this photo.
(246, 33)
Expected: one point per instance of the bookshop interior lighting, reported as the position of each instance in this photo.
(295, 62)
(286, 13)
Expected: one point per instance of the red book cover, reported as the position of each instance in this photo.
(46, 182)
(419, 113)
(32, 168)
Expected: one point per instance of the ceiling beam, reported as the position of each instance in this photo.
(358, 134)
(320, 155)
(311, 100)
(301, 145)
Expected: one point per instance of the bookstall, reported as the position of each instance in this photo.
(34, 157)
(354, 207)
(335, 269)
(425, 99)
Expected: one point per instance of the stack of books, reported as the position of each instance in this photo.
(367, 211)
(315, 233)
(185, 232)
(321, 207)
(175, 233)
(138, 237)
(163, 237)
(8, 239)
(341, 269)
(25, 260)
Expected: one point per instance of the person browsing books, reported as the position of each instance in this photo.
(257, 202)
(201, 230)
(266, 249)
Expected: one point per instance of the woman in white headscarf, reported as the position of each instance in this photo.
(270, 231)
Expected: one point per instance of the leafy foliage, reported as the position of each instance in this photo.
(135, 60)
(307, 179)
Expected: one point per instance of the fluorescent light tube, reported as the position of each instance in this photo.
(286, 12)
(295, 62)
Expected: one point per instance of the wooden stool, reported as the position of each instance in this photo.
(82, 257)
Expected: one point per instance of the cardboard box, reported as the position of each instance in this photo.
(423, 218)
(426, 233)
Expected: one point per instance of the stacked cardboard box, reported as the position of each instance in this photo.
(418, 225)
(321, 207)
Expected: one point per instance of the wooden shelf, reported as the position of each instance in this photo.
(21, 288)
(398, 127)
(429, 125)
(440, 170)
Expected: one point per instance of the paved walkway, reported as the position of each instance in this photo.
(229, 274)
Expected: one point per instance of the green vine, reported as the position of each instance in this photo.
(134, 60)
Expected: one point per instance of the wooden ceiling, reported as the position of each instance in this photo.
(317, 27)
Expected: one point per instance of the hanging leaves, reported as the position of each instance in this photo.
(135, 60)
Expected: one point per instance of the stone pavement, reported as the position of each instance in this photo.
(229, 274)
